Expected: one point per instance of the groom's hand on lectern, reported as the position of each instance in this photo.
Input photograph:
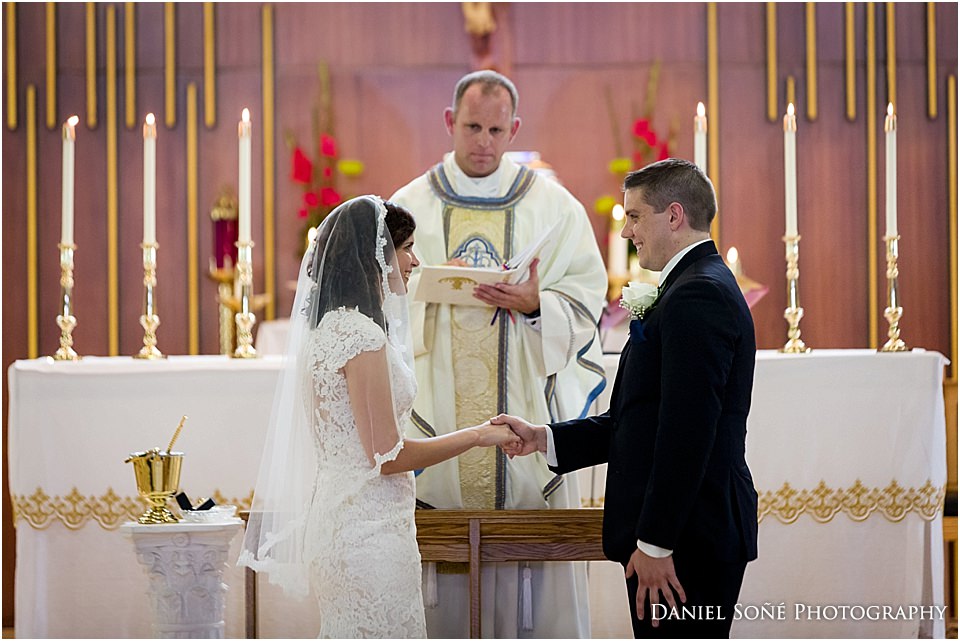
(656, 577)
(534, 437)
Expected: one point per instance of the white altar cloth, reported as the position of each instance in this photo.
(836, 416)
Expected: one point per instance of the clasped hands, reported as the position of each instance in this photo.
(656, 577)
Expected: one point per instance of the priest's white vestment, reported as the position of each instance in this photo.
(470, 367)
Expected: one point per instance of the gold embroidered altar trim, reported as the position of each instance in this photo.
(75, 510)
(858, 502)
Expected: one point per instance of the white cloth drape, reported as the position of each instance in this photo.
(832, 415)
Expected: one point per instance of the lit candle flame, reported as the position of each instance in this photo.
(733, 255)
(790, 109)
(701, 110)
(617, 212)
(73, 121)
(151, 119)
(889, 108)
(246, 115)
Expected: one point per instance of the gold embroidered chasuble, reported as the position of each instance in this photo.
(479, 231)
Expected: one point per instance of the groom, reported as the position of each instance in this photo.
(680, 510)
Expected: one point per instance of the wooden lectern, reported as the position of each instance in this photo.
(507, 535)
(473, 537)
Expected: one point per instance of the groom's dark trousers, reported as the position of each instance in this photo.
(674, 440)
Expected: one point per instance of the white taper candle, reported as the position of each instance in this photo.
(150, 180)
(66, 201)
(890, 127)
(700, 138)
(790, 169)
(617, 245)
(243, 131)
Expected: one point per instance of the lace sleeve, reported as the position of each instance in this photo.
(362, 353)
(345, 333)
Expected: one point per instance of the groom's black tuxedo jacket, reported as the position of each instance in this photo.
(675, 434)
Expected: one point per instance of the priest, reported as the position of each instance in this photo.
(530, 348)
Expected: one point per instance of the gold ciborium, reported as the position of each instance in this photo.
(158, 479)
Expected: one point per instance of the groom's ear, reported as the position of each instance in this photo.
(676, 215)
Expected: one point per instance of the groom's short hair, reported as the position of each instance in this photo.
(676, 180)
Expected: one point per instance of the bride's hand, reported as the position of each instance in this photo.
(502, 435)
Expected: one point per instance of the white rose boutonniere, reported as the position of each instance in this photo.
(639, 298)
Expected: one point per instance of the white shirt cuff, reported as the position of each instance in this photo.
(551, 450)
(653, 550)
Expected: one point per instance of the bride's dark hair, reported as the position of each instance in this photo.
(345, 254)
(400, 222)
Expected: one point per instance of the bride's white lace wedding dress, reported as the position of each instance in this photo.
(360, 533)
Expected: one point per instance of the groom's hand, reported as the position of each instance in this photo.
(533, 437)
(657, 577)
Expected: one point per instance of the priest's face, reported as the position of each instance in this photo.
(649, 230)
(483, 128)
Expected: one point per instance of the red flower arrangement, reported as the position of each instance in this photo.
(648, 146)
(318, 178)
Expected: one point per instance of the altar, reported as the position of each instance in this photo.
(847, 449)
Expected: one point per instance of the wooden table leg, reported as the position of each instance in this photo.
(474, 578)
(250, 603)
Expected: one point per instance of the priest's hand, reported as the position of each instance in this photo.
(533, 437)
(656, 577)
(523, 297)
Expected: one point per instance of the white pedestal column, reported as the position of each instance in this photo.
(184, 563)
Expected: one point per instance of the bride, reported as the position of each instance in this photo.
(334, 502)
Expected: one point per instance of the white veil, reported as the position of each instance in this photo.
(350, 265)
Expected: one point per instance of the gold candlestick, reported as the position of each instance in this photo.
(894, 311)
(66, 321)
(794, 312)
(245, 318)
(225, 278)
(149, 320)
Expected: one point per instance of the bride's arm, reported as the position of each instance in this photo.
(418, 453)
(371, 399)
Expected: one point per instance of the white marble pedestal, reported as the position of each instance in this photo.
(184, 563)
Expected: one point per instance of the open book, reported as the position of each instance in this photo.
(454, 285)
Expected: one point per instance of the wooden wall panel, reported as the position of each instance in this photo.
(391, 79)
(603, 35)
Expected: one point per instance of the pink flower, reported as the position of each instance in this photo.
(303, 213)
(302, 167)
(328, 146)
(311, 199)
(329, 197)
(664, 151)
(641, 127)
